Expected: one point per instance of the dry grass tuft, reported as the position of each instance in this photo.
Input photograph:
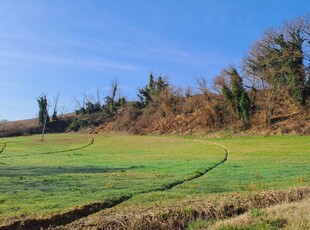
(291, 216)
(179, 216)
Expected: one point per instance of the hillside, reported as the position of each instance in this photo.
(268, 94)
(31, 126)
(194, 115)
(190, 115)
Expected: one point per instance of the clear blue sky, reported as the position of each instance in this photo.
(69, 46)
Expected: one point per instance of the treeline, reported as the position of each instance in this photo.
(273, 80)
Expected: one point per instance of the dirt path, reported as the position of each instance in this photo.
(84, 211)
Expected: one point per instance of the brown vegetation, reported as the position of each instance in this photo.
(271, 96)
(178, 216)
(290, 216)
(32, 126)
(208, 113)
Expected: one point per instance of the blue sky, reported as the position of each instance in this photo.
(72, 46)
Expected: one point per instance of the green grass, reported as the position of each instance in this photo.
(254, 164)
(34, 183)
(259, 163)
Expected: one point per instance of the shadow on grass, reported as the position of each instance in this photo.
(46, 171)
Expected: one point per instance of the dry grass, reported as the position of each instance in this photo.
(291, 216)
(29, 126)
(203, 114)
(179, 216)
(17, 126)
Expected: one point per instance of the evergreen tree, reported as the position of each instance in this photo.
(236, 95)
(43, 113)
(153, 89)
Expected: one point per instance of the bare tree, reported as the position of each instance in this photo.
(111, 99)
(202, 84)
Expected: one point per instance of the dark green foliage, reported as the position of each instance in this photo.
(43, 104)
(237, 90)
(245, 106)
(54, 116)
(227, 93)
(93, 107)
(281, 59)
(153, 89)
(77, 124)
(144, 97)
(86, 120)
(80, 111)
(151, 82)
(122, 102)
(89, 108)
(236, 95)
(93, 113)
(110, 104)
(291, 70)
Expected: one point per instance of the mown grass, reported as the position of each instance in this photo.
(254, 164)
(35, 183)
(259, 163)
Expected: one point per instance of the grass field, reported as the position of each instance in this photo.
(35, 183)
(37, 180)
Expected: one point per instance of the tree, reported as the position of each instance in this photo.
(43, 106)
(235, 93)
(111, 103)
(280, 60)
(245, 106)
(153, 89)
(122, 102)
(55, 104)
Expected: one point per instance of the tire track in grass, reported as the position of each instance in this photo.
(86, 210)
(3, 148)
(74, 149)
(52, 152)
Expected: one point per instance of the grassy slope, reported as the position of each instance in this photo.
(34, 183)
(254, 164)
(37, 184)
(258, 163)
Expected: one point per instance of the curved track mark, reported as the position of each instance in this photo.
(70, 150)
(60, 151)
(86, 210)
(3, 148)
